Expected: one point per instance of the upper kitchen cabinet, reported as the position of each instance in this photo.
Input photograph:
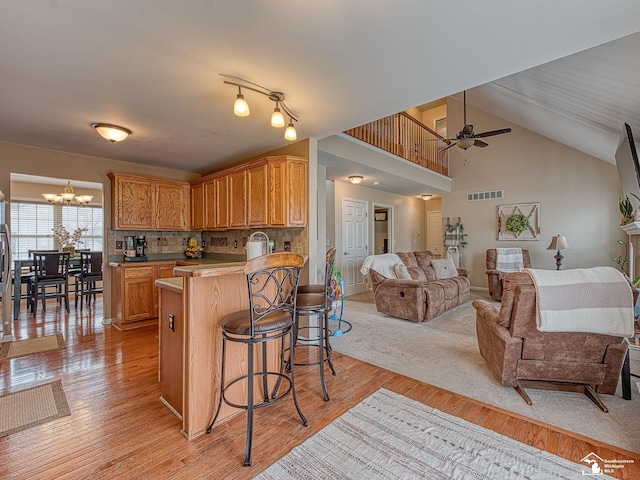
(257, 195)
(145, 203)
(238, 199)
(198, 208)
(288, 191)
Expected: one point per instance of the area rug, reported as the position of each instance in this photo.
(31, 407)
(444, 352)
(22, 348)
(390, 436)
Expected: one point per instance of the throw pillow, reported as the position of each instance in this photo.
(401, 271)
(444, 268)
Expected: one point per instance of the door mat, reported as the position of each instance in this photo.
(31, 346)
(32, 406)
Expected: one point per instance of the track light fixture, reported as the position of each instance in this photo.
(241, 108)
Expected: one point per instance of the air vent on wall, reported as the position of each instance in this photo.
(491, 195)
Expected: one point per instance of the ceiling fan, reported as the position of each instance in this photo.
(466, 138)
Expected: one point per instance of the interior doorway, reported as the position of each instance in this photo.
(355, 247)
(382, 229)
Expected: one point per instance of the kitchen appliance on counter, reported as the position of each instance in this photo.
(257, 248)
(135, 248)
(6, 324)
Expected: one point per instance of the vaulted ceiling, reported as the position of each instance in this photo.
(154, 67)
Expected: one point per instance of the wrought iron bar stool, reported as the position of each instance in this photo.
(272, 281)
(315, 300)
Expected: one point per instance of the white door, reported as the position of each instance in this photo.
(436, 237)
(354, 244)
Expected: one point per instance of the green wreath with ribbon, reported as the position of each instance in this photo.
(517, 223)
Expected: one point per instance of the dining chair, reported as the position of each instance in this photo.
(272, 281)
(51, 272)
(86, 280)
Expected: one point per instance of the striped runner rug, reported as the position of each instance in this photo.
(389, 436)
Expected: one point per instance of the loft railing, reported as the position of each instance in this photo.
(406, 137)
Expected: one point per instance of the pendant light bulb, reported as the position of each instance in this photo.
(277, 120)
(290, 133)
(240, 106)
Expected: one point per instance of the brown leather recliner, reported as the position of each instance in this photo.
(495, 276)
(520, 355)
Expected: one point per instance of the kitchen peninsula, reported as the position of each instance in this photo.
(192, 306)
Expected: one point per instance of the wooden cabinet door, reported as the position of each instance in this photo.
(210, 205)
(278, 194)
(198, 206)
(171, 331)
(238, 199)
(298, 193)
(257, 204)
(138, 294)
(222, 202)
(133, 203)
(171, 201)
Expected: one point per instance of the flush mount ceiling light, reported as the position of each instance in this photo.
(67, 196)
(426, 197)
(355, 179)
(241, 107)
(113, 133)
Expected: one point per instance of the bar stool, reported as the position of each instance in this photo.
(315, 300)
(272, 280)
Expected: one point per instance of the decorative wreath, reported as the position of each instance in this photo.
(517, 223)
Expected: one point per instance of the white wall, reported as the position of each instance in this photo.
(578, 195)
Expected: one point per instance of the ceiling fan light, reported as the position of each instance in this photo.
(240, 106)
(466, 143)
(290, 133)
(277, 120)
(113, 133)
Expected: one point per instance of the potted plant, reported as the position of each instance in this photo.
(626, 209)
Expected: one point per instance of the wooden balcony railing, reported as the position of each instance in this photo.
(406, 137)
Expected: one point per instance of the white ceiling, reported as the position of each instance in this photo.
(154, 66)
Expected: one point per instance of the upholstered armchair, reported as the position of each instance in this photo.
(495, 275)
(519, 355)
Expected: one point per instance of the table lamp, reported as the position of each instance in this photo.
(558, 243)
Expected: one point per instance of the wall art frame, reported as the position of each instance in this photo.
(519, 221)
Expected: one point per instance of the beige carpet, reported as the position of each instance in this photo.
(390, 436)
(22, 348)
(444, 352)
(31, 407)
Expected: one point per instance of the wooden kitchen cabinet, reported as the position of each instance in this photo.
(146, 203)
(288, 191)
(198, 206)
(171, 337)
(210, 217)
(238, 199)
(257, 197)
(221, 198)
(134, 296)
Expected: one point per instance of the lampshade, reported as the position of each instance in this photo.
(240, 106)
(277, 120)
(558, 243)
(466, 143)
(290, 133)
(113, 133)
(355, 179)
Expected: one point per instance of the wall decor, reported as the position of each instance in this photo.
(519, 221)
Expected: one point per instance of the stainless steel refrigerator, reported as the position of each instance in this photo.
(6, 326)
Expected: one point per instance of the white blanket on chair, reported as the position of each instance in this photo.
(595, 300)
(383, 264)
(509, 259)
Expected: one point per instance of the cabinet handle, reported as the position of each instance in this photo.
(171, 318)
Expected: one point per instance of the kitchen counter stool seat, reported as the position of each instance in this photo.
(272, 281)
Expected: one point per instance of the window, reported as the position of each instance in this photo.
(32, 226)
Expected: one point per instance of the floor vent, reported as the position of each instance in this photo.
(492, 195)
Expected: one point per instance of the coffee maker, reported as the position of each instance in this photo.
(135, 248)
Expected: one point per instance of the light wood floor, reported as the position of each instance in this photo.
(119, 429)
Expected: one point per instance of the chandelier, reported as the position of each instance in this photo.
(241, 107)
(67, 196)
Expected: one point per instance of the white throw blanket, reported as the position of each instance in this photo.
(509, 259)
(383, 264)
(595, 300)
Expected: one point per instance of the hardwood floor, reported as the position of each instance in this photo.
(119, 429)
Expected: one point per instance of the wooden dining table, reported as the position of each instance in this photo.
(18, 265)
